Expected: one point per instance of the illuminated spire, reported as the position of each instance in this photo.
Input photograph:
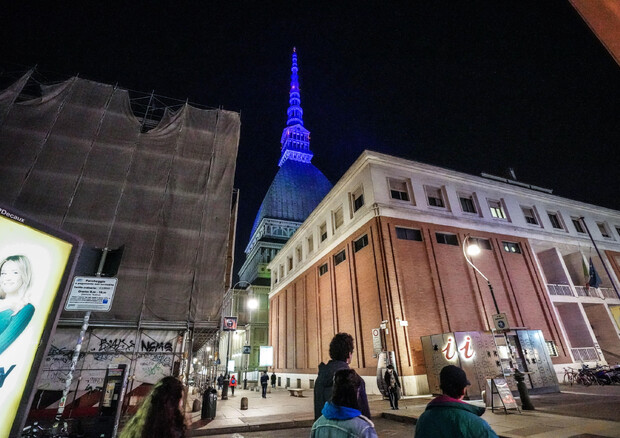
(295, 138)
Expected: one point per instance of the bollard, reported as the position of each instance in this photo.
(526, 403)
(196, 406)
(244, 403)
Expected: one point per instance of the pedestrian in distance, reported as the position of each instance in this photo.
(341, 417)
(264, 381)
(392, 383)
(160, 415)
(448, 416)
(233, 384)
(341, 353)
(273, 380)
(220, 382)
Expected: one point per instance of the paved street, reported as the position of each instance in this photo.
(576, 411)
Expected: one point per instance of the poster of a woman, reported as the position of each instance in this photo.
(15, 309)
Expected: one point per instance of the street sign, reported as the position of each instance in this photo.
(91, 294)
(501, 322)
(376, 340)
(247, 349)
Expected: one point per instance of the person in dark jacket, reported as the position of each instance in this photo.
(341, 352)
(264, 380)
(392, 382)
(220, 381)
(273, 380)
(341, 416)
(447, 416)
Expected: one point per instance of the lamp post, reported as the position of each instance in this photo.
(233, 309)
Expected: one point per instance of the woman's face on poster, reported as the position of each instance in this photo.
(10, 277)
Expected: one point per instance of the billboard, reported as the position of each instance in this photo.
(35, 263)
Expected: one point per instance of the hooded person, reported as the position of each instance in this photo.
(447, 416)
(341, 417)
(340, 352)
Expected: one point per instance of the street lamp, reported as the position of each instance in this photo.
(473, 249)
(230, 298)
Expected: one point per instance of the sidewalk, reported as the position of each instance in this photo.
(576, 412)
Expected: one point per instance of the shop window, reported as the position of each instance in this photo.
(360, 243)
(447, 239)
(408, 234)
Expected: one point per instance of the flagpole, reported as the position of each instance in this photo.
(600, 257)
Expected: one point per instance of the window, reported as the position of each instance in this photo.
(497, 211)
(323, 231)
(408, 234)
(447, 239)
(360, 243)
(467, 203)
(602, 227)
(578, 224)
(310, 244)
(434, 196)
(340, 257)
(338, 218)
(482, 243)
(530, 215)
(289, 263)
(552, 349)
(323, 269)
(399, 189)
(512, 247)
(618, 230)
(556, 220)
(298, 253)
(358, 199)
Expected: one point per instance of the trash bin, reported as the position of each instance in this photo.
(209, 405)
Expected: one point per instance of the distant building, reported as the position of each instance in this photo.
(385, 249)
(296, 190)
(118, 168)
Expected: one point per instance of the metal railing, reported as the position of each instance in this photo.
(608, 292)
(585, 354)
(582, 291)
(560, 289)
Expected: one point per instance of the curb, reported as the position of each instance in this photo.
(250, 428)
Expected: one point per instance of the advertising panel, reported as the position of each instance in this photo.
(35, 262)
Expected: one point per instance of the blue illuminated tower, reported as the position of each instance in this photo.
(296, 190)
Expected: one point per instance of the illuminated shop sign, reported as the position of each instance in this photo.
(35, 262)
(466, 350)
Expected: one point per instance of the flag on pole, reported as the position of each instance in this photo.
(595, 280)
(586, 274)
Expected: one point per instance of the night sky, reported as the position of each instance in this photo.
(470, 86)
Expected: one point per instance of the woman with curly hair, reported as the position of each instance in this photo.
(160, 415)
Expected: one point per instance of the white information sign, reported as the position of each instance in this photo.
(91, 293)
(501, 322)
(376, 340)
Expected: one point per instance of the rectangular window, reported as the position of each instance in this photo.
(603, 229)
(447, 239)
(399, 189)
(338, 218)
(497, 210)
(556, 222)
(340, 257)
(512, 247)
(289, 262)
(360, 243)
(530, 216)
(435, 197)
(467, 203)
(323, 231)
(552, 349)
(358, 199)
(310, 244)
(482, 243)
(578, 224)
(618, 230)
(408, 234)
(323, 269)
(298, 252)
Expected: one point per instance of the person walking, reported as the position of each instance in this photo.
(341, 353)
(273, 380)
(233, 384)
(264, 380)
(392, 382)
(220, 382)
(160, 414)
(448, 416)
(341, 417)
